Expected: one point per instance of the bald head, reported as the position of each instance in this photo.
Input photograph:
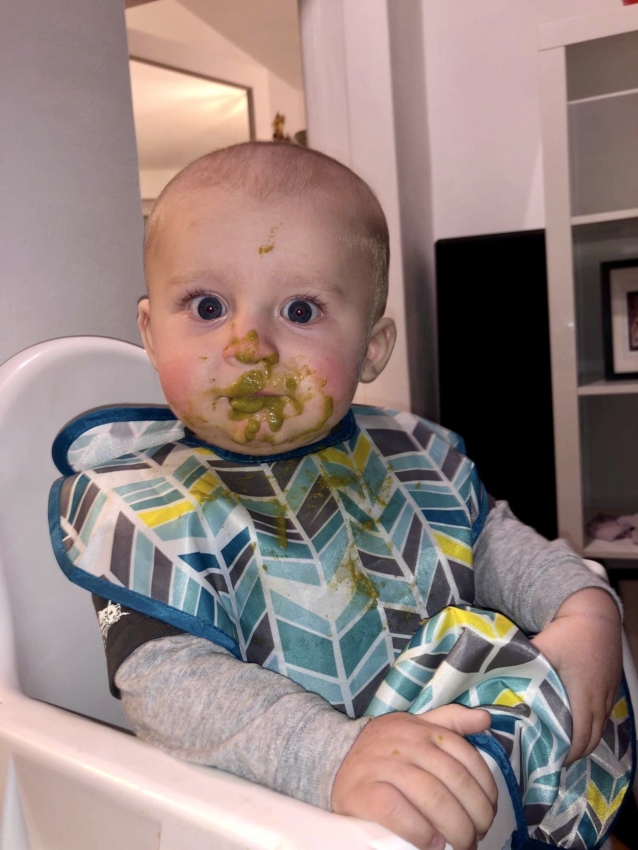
(267, 171)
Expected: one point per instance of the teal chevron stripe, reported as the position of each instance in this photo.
(191, 597)
(402, 526)
(158, 501)
(217, 511)
(244, 587)
(190, 466)
(392, 511)
(353, 509)
(178, 588)
(374, 473)
(301, 485)
(357, 640)
(329, 690)
(414, 460)
(304, 572)
(378, 659)
(183, 527)
(299, 644)
(142, 564)
(285, 609)
(326, 537)
(253, 609)
(92, 518)
(271, 548)
(395, 592)
(333, 555)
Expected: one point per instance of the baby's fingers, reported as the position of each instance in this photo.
(439, 806)
(385, 804)
(465, 754)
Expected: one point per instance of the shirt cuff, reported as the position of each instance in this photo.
(314, 753)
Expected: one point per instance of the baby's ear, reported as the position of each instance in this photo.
(144, 324)
(380, 346)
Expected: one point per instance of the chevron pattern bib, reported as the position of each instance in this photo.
(321, 564)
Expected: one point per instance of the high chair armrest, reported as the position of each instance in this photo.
(76, 784)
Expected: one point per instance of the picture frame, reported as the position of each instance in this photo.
(619, 281)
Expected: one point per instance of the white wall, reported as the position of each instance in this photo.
(70, 220)
(481, 67)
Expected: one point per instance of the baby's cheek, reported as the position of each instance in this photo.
(341, 379)
(178, 384)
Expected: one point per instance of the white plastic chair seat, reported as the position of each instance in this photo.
(67, 782)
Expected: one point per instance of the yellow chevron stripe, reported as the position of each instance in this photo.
(202, 450)
(454, 617)
(454, 549)
(362, 452)
(162, 515)
(509, 698)
(205, 488)
(599, 804)
(621, 710)
(334, 455)
(503, 626)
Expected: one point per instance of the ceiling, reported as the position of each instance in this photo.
(268, 30)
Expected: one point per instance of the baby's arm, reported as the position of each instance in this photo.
(545, 588)
(196, 701)
(524, 576)
(583, 643)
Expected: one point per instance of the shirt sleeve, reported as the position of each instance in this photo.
(193, 699)
(524, 576)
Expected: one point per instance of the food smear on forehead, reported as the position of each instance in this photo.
(268, 246)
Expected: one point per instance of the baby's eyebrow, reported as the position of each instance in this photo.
(308, 284)
(203, 278)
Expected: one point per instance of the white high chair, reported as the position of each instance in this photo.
(68, 782)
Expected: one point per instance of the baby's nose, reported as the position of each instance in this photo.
(251, 349)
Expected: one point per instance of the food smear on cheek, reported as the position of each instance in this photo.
(262, 396)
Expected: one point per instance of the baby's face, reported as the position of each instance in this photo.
(259, 316)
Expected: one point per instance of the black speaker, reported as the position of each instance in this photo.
(494, 366)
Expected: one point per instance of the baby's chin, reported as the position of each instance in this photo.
(254, 435)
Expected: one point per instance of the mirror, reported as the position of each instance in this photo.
(180, 116)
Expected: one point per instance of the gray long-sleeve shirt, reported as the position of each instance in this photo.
(195, 700)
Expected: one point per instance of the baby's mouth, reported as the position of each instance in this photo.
(254, 403)
(263, 399)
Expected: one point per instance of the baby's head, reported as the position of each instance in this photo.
(267, 270)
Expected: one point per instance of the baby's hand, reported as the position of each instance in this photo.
(417, 776)
(584, 645)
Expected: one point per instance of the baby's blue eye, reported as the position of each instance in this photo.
(208, 307)
(300, 311)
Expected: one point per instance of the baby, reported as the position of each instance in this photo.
(318, 536)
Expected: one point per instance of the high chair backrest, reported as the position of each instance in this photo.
(54, 652)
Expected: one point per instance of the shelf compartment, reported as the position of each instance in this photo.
(594, 243)
(604, 154)
(608, 428)
(602, 66)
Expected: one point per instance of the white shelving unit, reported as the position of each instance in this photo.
(589, 103)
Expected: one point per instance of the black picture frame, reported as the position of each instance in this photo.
(611, 338)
